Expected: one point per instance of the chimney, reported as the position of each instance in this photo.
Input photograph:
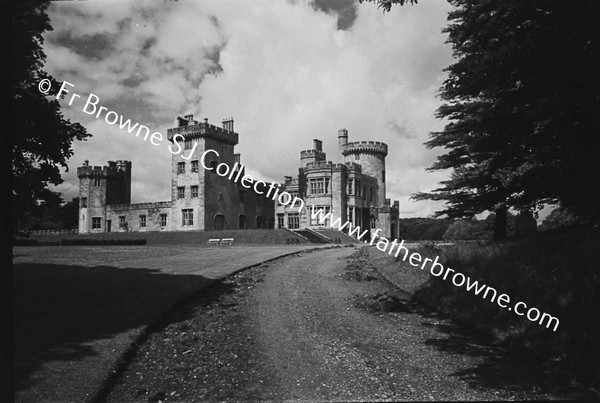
(318, 145)
(228, 124)
(287, 179)
(189, 118)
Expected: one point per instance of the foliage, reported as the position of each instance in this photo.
(423, 228)
(560, 217)
(386, 5)
(521, 102)
(557, 275)
(41, 137)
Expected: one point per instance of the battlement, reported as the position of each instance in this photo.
(139, 206)
(312, 153)
(115, 169)
(191, 129)
(366, 147)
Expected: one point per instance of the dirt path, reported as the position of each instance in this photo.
(320, 326)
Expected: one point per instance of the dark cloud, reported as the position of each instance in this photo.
(345, 10)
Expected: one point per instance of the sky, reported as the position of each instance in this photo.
(286, 71)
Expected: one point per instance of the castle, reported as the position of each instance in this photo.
(202, 200)
(352, 189)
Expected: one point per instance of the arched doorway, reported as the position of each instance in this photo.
(219, 222)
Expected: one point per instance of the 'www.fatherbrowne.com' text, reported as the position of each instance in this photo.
(437, 269)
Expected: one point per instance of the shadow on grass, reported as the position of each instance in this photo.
(59, 310)
(502, 367)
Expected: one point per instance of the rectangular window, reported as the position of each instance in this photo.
(280, 221)
(293, 220)
(242, 221)
(83, 202)
(181, 167)
(316, 222)
(194, 190)
(319, 186)
(188, 145)
(187, 217)
(181, 192)
(96, 222)
(163, 220)
(350, 186)
(259, 221)
(194, 166)
(142, 221)
(357, 189)
(351, 215)
(122, 222)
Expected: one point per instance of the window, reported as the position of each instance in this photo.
(181, 167)
(142, 221)
(351, 215)
(364, 193)
(280, 221)
(371, 194)
(83, 202)
(163, 220)
(317, 221)
(122, 222)
(194, 190)
(373, 222)
(181, 192)
(96, 222)
(350, 186)
(356, 156)
(188, 145)
(357, 189)
(242, 221)
(319, 186)
(194, 166)
(293, 220)
(187, 217)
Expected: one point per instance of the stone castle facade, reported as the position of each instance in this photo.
(352, 189)
(201, 200)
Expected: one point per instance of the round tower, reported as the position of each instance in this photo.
(371, 155)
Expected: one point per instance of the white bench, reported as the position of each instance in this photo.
(227, 241)
(214, 241)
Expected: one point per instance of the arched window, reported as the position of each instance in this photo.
(373, 222)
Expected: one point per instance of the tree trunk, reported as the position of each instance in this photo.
(500, 222)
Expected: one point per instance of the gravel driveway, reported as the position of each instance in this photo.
(317, 326)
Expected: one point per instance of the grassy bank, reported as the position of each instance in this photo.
(557, 275)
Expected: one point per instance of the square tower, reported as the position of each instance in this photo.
(201, 199)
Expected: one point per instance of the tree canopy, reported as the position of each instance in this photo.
(41, 136)
(521, 103)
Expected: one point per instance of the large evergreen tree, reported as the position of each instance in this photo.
(522, 103)
(41, 137)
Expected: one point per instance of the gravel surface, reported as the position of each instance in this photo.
(317, 326)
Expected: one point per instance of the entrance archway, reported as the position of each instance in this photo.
(219, 222)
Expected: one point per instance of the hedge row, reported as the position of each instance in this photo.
(79, 242)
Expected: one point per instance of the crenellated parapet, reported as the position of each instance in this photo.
(365, 147)
(191, 129)
(114, 170)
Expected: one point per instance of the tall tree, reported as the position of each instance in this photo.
(41, 137)
(522, 102)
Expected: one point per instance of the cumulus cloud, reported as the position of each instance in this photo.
(287, 72)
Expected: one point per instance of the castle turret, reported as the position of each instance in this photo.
(371, 155)
(342, 141)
